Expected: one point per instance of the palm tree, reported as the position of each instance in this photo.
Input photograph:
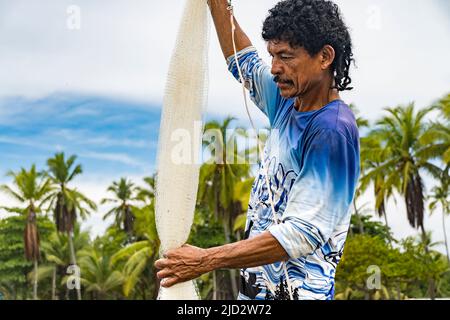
(124, 193)
(147, 195)
(440, 196)
(31, 188)
(219, 178)
(98, 274)
(57, 255)
(441, 130)
(139, 257)
(402, 134)
(241, 196)
(67, 203)
(361, 123)
(373, 155)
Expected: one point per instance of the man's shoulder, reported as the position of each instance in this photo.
(337, 117)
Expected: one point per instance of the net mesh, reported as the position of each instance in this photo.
(180, 137)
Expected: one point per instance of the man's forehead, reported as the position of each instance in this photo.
(278, 46)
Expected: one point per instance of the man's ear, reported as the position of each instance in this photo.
(327, 55)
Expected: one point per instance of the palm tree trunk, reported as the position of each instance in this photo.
(387, 226)
(431, 281)
(144, 297)
(399, 292)
(360, 224)
(232, 272)
(35, 283)
(445, 236)
(54, 284)
(214, 286)
(424, 238)
(73, 259)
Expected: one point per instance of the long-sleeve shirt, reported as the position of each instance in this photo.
(313, 169)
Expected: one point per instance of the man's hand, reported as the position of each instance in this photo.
(188, 262)
(221, 17)
(182, 264)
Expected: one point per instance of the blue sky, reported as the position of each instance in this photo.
(108, 135)
(97, 91)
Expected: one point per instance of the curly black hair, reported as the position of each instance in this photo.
(312, 24)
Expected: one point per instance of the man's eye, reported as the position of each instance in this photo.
(286, 57)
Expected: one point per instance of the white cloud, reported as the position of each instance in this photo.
(124, 50)
(25, 142)
(86, 137)
(118, 157)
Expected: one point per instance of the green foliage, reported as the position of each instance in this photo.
(98, 274)
(112, 241)
(206, 232)
(404, 151)
(14, 267)
(405, 271)
(67, 204)
(136, 259)
(372, 228)
(124, 192)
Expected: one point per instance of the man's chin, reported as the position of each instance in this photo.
(287, 94)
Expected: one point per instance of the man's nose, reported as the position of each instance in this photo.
(277, 68)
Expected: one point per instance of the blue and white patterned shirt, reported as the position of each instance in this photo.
(313, 172)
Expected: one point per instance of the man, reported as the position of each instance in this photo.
(313, 163)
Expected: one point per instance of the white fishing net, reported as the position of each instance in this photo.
(180, 137)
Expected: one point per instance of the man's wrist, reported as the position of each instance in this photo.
(216, 258)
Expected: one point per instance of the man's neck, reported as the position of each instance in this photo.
(316, 100)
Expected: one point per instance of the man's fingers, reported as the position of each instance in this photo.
(161, 263)
(168, 282)
(163, 274)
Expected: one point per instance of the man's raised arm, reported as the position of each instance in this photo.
(221, 17)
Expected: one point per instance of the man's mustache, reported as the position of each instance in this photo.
(277, 79)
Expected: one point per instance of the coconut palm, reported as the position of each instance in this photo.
(147, 194)
(373, 155)
(31, 189)
(361, 123)
(67, 203)
(138, 258)
(401, 133)
(57, 255)
(98, 274)
(219, 177)
(124, 193)
(440, 130)
(440, 196)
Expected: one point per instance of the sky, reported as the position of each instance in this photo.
(87, 78)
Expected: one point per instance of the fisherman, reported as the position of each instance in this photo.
(313, 164)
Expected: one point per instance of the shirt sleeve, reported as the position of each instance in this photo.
(258, 80)
(321, 195)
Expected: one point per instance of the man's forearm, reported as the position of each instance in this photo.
(221, 17)
(188, 262)
(257, 251)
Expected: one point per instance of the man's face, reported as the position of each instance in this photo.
(296, 72)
